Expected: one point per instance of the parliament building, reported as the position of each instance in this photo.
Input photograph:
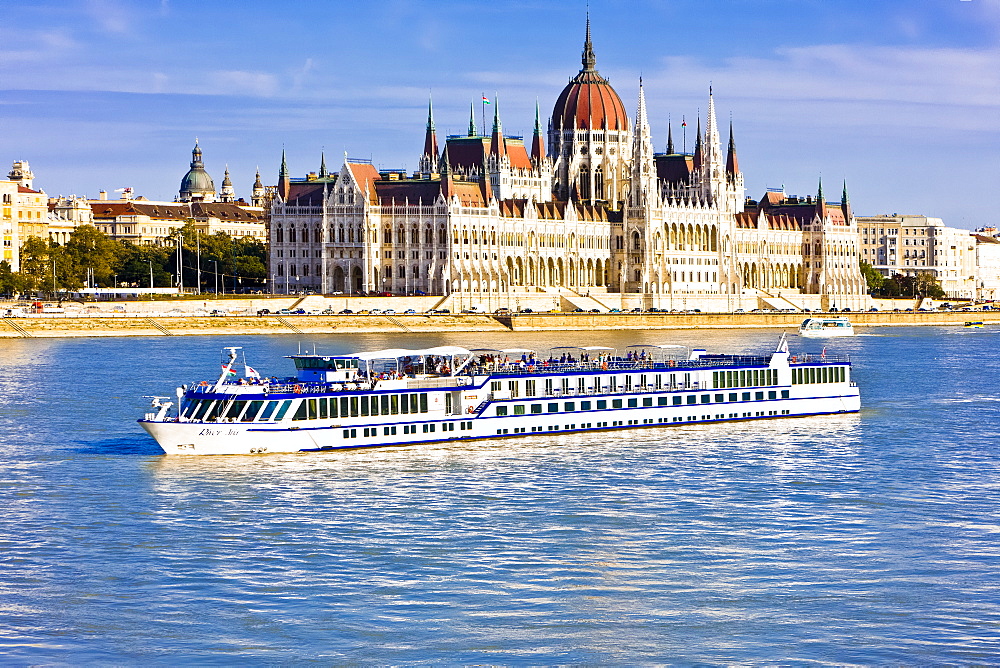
(586, 209)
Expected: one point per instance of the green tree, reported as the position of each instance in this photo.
(874, 279)
(13, 282)
(90, 249)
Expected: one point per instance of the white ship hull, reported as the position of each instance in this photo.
(181, 438)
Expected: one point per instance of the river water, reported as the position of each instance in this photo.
(860, 539)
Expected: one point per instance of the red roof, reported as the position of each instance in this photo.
(365, 175)
(22, 189)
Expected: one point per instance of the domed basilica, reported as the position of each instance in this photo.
(592, 217)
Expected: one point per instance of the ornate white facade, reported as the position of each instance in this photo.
(598, 213)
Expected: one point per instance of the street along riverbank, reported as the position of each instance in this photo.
(64, 325)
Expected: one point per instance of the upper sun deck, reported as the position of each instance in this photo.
(452, 367)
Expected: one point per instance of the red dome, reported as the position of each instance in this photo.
(589, 102)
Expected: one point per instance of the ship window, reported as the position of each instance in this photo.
(364, 406)
(614, 383)
(628, 383)
(601, 404)
(519, 410)
(512, 386)
(404, 403)
(662, 401)
(548, 386)
(706, 398)
(374, 405)
(784, 394)
(678, 401)
(312, 409)
(553, 408)
(746, 396)
(742, 382)
(388, 431)
(384, 400)
(268, 409)
(692, 398)
(235, 409)
(414, 403)
(536, 408)
(324, 409)
(565, 385)
(616, 403)
(393, 404)
(205, 403)
(423, 402)
(569, 406)
(300, 413)
(285, 405)
(252, 411)
(529, 388)
(633, 403)
(647, 401)
(659, 381)
(190, 408)
(642, 380)
(772, 395)
(501, 410)
(584, 405)
(759, 396)
(354, 407)
(732, 396)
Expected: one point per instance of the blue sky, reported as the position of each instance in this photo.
(900, 97)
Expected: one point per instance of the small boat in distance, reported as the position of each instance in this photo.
(975, 324)
(815, 328)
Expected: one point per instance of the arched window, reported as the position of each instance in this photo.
(279, 235)
(400, 271)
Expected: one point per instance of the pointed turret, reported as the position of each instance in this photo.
(732, 164)
(820, 200)
(643, 173)
(430, 137)
(589, 59)
(323, 173)
(845, 203)
(284, 180)
(670, 138)
(537, 144)
(498, 146)
(257, 196)
(227, 193)
(697, 146)
(473, 132)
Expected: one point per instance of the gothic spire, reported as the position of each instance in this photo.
(670, 138)
(283, 170)
(697, 145)
(497, 144)
(643, 179)
(589, 59)
(537, 145)
(322, 165)
(845, 203)
(284, 180)
(430, 138)
(732, 164)
(472, 120)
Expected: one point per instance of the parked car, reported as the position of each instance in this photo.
(595, 310)
(217, 313)
(526, 310)
(503, 310)
(410, 311)
(346, 311)
(264, 311)
(328, 311)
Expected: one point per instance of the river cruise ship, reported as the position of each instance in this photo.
(449, 393)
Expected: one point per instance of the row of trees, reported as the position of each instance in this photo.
(92, 258)
(924, 284)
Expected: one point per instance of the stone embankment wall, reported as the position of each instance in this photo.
(138, 325)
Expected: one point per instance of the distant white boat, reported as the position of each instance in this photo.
(815, 328)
